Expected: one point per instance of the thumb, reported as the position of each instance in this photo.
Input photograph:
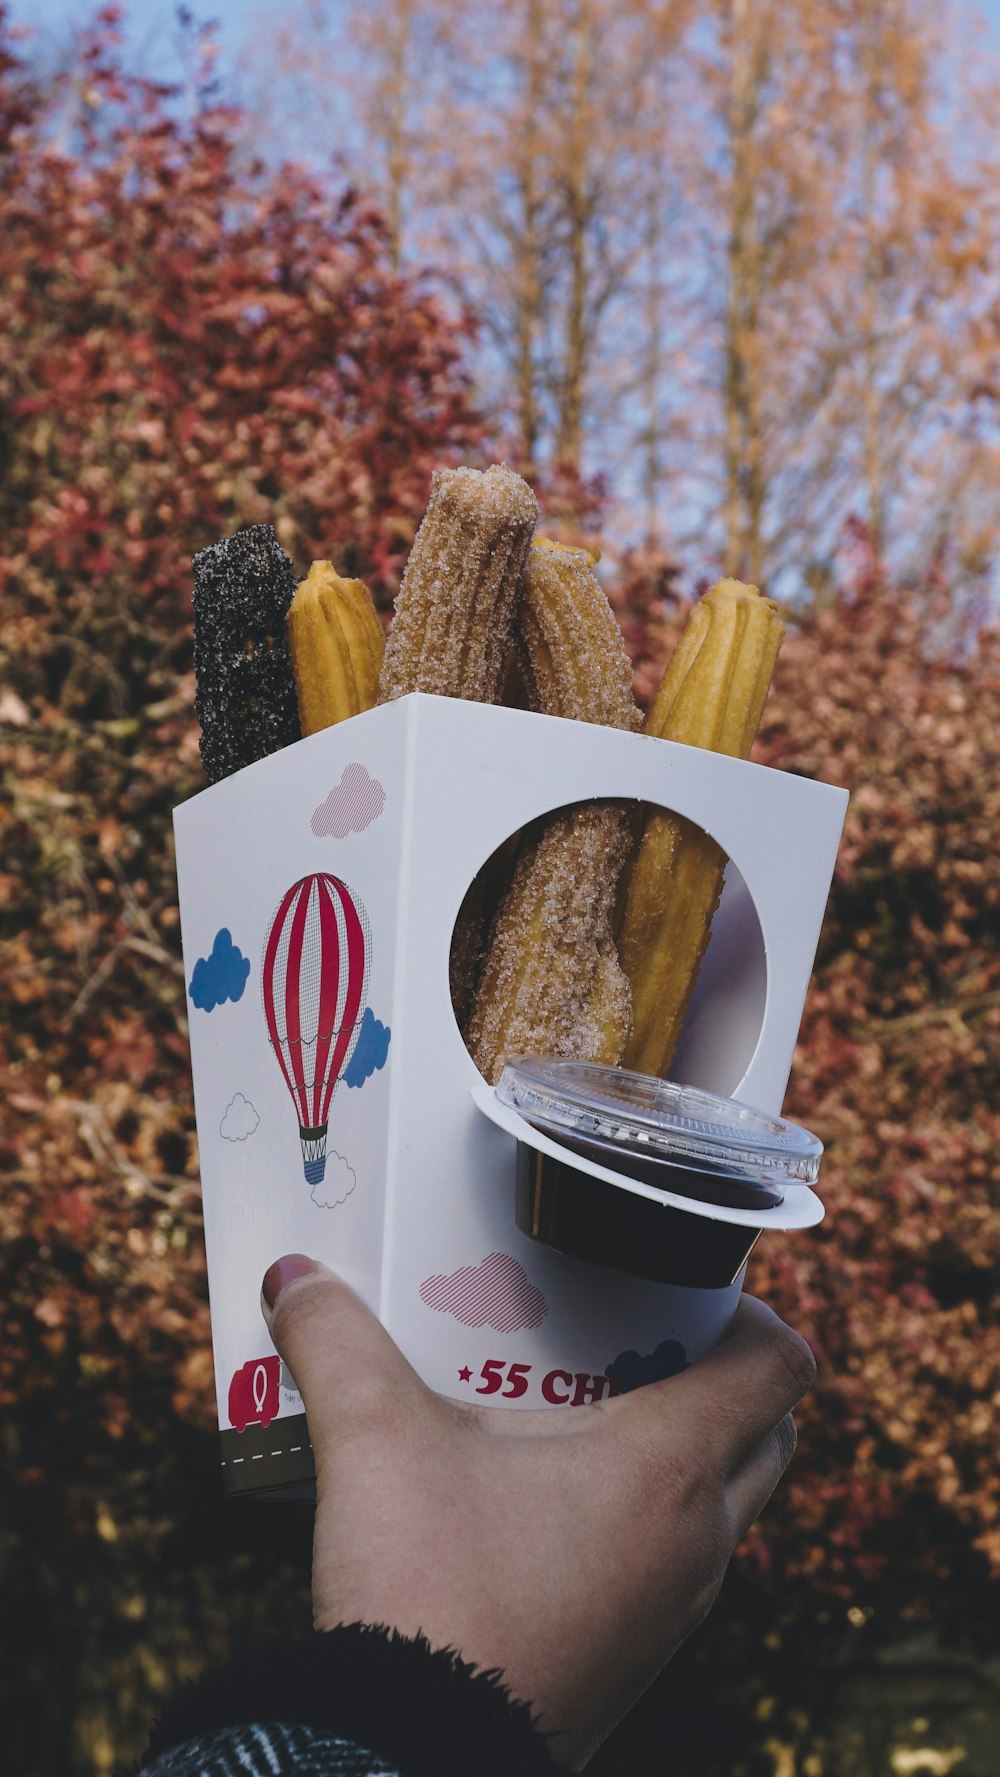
(347, 1369)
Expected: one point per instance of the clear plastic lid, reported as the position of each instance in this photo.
(682, 1125)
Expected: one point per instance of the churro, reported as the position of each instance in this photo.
(552, 982)
(452, 627)
(337, 643)
(570, 649)
(245, 696)
(712, 695)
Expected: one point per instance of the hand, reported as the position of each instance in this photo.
(576, 1549)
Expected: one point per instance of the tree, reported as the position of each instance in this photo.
(518, 141)
(922, 231)
(897, 1066)
(187, 344)
(894, 1490)
(846, 209)
(738, 259)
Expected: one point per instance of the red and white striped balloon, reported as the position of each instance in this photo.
(315, 986)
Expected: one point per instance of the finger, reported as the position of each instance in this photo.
(348, 1370)
(751, 1486)
(732, 1399)
(755, 1377)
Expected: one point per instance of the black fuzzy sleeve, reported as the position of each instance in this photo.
(356, 1690)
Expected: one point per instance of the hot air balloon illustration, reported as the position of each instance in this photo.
(315, 984)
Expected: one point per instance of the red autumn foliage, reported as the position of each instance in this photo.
(894, 1492)
(898, 1066)
(187, 344)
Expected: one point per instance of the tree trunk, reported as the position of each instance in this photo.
(396, 144)
(528, 248)
(871, 273)
(653, 365)
(570, 440)
(745, 490)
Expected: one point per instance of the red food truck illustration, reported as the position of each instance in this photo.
(253, 1393)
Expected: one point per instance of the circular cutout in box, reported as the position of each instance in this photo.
(722, 1025)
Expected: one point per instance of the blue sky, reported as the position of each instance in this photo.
(153, 29)
(154, 48)
(152, 26)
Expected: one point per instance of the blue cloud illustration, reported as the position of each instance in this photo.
(221, 976)
(633, 1371)
(370, 1051)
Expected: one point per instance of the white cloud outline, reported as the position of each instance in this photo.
(328, 1183)
(237, 1104)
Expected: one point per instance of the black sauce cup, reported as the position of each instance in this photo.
(659, 1180)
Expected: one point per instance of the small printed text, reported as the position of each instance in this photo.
(557, 1388)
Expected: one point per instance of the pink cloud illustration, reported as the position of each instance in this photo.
(351, 806)
(495, 1293)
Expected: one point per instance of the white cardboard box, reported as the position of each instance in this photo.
(400, 807)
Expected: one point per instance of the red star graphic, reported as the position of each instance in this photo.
(465, 1374)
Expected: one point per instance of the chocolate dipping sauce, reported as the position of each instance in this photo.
(685, 1143)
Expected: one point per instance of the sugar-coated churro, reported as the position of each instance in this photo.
(452, 627)
(552, 982)
(712, 695)
(475, 922)
(551, 978)
(337, 643)
(466, 949)
(570, 649)
(245, 697)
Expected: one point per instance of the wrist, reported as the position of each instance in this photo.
(421, 1710)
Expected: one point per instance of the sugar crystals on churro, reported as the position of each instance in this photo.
(455, 612)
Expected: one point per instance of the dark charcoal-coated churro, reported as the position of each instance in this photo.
(245, 699)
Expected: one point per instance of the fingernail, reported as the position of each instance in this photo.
(281, 1273)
